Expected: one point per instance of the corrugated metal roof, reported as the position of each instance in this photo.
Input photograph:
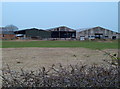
(31, 29)
(84, 29)
(60, 27)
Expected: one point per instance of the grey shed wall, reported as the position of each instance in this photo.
(104, 33)
(38, 33)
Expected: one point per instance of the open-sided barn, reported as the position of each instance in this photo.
(33, 33)
(62, 32)
(96, 33)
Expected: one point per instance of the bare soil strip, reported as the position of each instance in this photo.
(34, 58)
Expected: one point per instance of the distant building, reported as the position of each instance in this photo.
(33, 33)
(96, 33)
(62, 32)
(6, 34)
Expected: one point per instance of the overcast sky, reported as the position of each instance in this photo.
(46, 15)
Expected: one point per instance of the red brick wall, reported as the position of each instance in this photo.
(7, 36)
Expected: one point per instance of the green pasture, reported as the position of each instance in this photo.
(83, 44)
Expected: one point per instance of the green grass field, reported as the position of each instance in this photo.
(84, 44)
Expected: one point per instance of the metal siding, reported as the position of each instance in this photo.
(38, 33)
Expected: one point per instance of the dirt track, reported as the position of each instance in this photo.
(33, 58)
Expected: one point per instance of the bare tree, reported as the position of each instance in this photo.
(11, 28)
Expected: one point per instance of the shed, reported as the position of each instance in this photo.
(96, 33)
(62, 32)
(33, 33)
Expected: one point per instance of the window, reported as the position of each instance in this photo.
(106, 36)
(91, 37)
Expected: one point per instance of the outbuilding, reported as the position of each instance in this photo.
(33, 33)
(62, 32)
(6, 34)
(96, 33)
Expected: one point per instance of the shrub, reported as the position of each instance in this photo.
(61, 76)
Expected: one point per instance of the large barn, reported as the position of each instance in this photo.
(62, 32)
(96, 33)
(33, 33)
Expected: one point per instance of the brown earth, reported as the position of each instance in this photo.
(34, 58)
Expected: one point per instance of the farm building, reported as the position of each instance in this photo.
(96, 33)
(6, 34)
(62, 32)
(33, 33)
